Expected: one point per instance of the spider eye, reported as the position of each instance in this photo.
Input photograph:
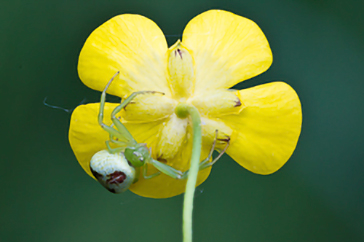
(112, 171)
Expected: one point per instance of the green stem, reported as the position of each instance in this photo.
(192, 176)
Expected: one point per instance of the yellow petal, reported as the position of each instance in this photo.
(267, 129)
(172, 137)
(131, 44)
(164, 186)
(227, 49)
(87, 137)
(85, 134)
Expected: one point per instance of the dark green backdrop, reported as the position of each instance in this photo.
(318, 48)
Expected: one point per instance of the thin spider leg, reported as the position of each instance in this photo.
(102, 100)
(114, 150)
(122, 129)
(145, 171)
(128, 100)
(166, 169)
(113, 132)
(116, 141)
(109, 129)
(211, 150)
(120, 143)
(204, 164)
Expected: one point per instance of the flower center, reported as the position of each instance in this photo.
(181, 110)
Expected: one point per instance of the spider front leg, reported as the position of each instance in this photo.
(121, 132)
(115, 150)
(122, 129)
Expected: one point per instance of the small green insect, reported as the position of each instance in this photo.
(118, 168)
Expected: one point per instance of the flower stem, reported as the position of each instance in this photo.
(192, 175)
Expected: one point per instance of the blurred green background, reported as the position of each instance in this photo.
(318, 48)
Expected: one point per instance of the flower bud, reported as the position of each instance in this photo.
(181, 70)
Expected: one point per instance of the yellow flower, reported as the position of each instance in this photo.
(218, 50)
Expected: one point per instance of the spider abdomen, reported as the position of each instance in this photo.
(112, 171)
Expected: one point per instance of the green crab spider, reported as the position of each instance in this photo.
(118, 168)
